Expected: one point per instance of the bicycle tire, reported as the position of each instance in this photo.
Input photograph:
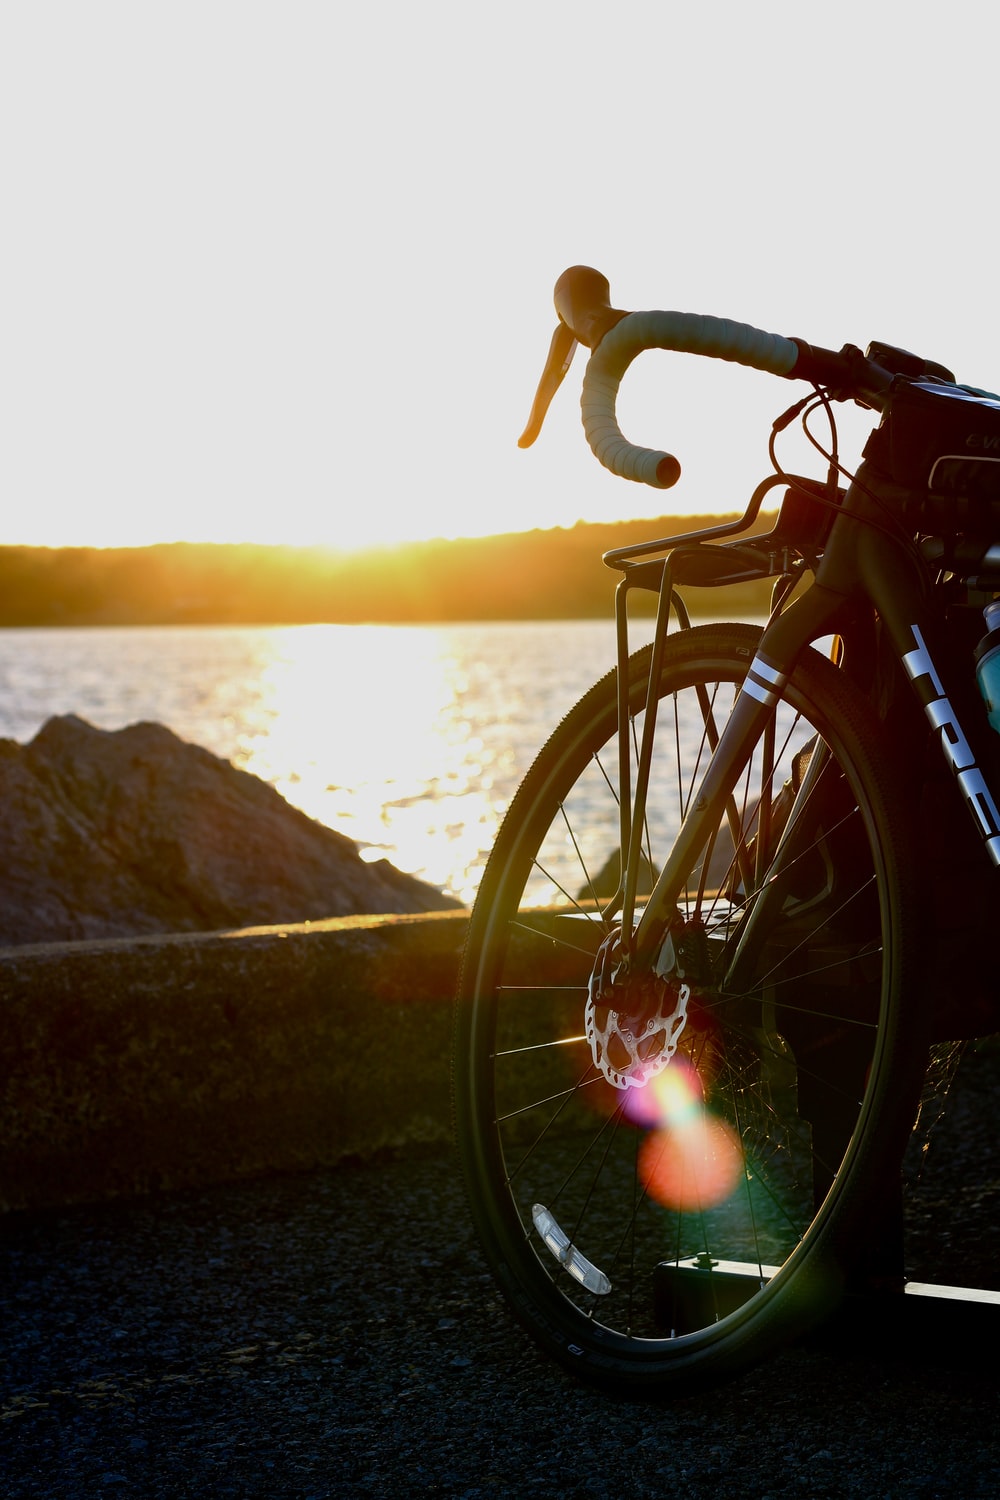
(655, 1269)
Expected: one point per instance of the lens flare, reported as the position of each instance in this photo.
(690, 1160)
(669, 1098)
(691, 1166)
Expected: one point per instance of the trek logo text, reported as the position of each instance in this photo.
(957, 750)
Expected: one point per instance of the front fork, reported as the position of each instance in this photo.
(751, 721)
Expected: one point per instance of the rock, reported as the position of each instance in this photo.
(119, 833)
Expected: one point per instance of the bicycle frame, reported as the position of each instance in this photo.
(864, 563)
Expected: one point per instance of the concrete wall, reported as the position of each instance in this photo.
(167, 1062)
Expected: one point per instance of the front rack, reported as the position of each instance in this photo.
(701, 558)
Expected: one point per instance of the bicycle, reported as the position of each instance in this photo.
(704, 965)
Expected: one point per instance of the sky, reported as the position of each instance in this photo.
(282, 272)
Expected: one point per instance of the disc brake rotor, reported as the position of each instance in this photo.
(633, 1023)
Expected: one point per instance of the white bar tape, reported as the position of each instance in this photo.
(684, 333)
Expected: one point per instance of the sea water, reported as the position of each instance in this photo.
(409, 739)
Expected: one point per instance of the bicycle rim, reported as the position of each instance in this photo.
(655, 1235)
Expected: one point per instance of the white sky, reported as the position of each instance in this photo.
(282, 272)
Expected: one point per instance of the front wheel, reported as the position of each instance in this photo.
(672, 1177)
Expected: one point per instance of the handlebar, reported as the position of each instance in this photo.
(586, 316)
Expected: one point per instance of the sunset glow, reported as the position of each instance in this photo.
(284, 274)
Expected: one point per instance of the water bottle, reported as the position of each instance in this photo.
(988, 663)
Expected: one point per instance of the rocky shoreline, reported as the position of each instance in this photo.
(110, 834)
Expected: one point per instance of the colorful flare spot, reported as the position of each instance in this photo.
(669, 1098)
(692, 1163)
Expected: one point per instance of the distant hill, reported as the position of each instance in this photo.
(556, 574)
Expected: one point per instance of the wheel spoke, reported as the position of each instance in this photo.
(649, 1155)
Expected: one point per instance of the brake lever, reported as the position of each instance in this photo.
(558, 361)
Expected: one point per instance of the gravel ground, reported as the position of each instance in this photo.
(337, 1334)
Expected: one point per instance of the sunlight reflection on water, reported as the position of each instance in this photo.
(409, 739)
